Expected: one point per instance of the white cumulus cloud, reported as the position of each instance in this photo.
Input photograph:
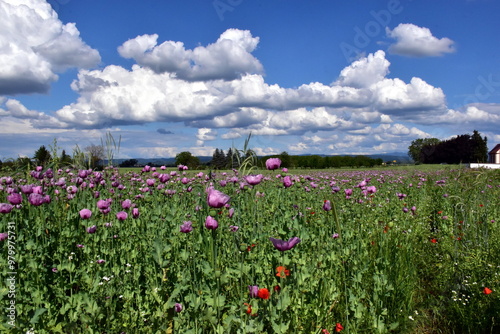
(228, 58)
(35, 45)
(412, 40)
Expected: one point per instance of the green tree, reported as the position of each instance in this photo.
(416, 150)
(218, 159)
(285, 159)
(42, 156)
(65, 159)
(479, 147)
(95, 154)
(129, 163)
(187, 159)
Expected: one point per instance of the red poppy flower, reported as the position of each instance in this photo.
(324, 331)
(338, 327)
(277, 288)
(263, 293)
(434, 240)
(440, 212)
(481, 205)
(282, 272)
(249, 308)
(487, 291)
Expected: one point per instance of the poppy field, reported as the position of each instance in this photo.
(255, 251)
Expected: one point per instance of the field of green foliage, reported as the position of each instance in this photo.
(259, 251)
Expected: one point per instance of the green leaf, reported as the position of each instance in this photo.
(281, 327)
(36, 317)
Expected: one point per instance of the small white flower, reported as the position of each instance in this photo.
(410, 317)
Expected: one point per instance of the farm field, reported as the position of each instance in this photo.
(389, 250)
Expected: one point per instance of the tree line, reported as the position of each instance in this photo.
(231, 159)
(90, 157)
(460, 149)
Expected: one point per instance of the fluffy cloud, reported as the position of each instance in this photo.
(228, 58)
(365, 72)
(412, 40)
(205, 134)
(485, 116)
(115, 95)
(35, 44)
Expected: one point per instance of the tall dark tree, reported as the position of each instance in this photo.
(219, 159)
(65, 159)
(479, 147)
(285, 159)
(42, 156)
(421, 148)
(232, 158)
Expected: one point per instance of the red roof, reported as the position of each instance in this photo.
(495, 150)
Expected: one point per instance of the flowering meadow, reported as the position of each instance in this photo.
(260, 251)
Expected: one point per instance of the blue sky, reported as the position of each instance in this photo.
(329, 77)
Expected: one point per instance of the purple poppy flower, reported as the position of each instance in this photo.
(54, 270)
(135, 213)
(327, 205)
(273, 163)
(287, 182)
(4, 236)
(216, 199)
(103, 204)
(122, 215)
(80, 246)
(253, 290)
(26, 189)
(186, 227)
(335, 236)
(230, 213)
(282, 245)
(85, 213)
(92, 229)
(178, 307)
(348, 192)
(253, 180)
(100, 261)
(15, 198)
(46, 199)
(233, 228)
(211, 223)
(126, 204)
(5, 208)
(35, 199)
(405, 209)
(371, 189)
